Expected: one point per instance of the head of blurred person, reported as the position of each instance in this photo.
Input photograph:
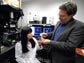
(67, 11)
(26, 38)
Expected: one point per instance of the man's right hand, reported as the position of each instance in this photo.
(43, 35)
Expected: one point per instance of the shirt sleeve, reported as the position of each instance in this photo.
(18, 53)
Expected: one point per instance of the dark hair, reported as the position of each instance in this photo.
(24, 40)
(69, 7)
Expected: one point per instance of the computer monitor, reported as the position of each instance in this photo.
(48, 28)
(36, 30)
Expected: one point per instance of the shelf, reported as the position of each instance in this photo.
(5, 49)
(9, 8)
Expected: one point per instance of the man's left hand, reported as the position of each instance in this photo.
(45, 41)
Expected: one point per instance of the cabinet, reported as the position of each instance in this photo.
(9, 17)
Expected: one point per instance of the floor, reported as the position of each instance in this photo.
(79, 59)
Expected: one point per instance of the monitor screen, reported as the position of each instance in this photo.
(36, 30)
(47, 29)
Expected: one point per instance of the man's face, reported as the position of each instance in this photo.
(64, 17)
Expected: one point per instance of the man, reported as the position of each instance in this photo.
(68, 34)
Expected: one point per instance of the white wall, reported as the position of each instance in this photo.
(80, 12)
(48, 8)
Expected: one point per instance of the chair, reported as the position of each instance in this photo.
(12, 60)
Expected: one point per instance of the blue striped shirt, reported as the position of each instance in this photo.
(58, 31)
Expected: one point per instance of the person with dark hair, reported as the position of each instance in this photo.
(25, 50)
(67, 35)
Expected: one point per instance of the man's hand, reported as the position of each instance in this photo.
(43, 35)
(44, 41)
